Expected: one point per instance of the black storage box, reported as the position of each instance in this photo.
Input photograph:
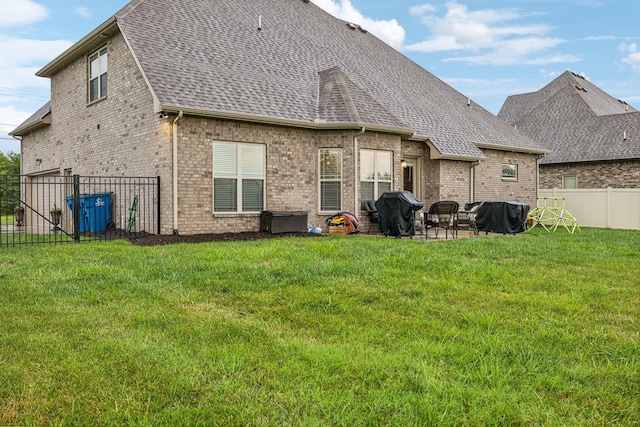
(283, 221)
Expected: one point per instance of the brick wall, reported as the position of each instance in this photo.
(119, 135)
(291, 175)
(292, 170)
(490, 186)
(454, 182)
(615, 174)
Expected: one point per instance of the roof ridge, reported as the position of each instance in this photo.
(128, 8)
(359, 105)
(337, 80)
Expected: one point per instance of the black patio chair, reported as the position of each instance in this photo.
(372, 213)
(442, 214)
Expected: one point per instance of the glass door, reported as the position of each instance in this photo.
(409, 176)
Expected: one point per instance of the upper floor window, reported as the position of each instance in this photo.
(330, 179)
(98, 74)
(510, 172)
(375, 173)
(238, 177)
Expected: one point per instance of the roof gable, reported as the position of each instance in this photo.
(341, 100)
(577, 120)
(39, 119)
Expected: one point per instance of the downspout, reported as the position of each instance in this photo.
(19, 138)
(356, 180)
(174, 132)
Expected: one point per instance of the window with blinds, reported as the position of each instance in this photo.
(330, 179)
(98, 74)
(375, 173)
(238, 177)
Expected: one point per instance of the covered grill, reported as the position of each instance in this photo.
(396, 210)
(502, 217)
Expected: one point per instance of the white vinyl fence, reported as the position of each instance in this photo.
(601, 207)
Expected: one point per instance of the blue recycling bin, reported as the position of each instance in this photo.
(95, 211)
(83, 224)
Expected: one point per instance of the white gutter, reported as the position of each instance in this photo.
(174, 132)
(512, 149)
(316, 125)
(93, 40)
(356, 195)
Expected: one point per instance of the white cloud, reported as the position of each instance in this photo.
(8, 118)
(600, 38)
(84, 12)
(633, 56)
(22, 57)
(491, 33)
(389, 31)
(497, 58)
(16, 13)
(478, 82)
(19, 55)
(549, 74)
(420, 10)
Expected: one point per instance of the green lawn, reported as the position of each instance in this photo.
(6, 220)
(536, 329)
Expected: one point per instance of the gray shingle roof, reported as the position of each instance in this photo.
(208, 56)
(211, 57)
(577, 120)
(37, 119)
(341, 100)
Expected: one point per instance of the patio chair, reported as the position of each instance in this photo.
(442, 214)
(467, 217)
(372, 213)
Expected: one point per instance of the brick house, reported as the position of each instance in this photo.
(594, 137)
(245, 106)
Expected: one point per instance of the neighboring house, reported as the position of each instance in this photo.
(245, 106)
(594, 137)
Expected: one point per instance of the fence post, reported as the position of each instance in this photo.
(158, 205)
(76, 208)
(609, 207)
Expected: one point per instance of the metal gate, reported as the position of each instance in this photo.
(46, 209)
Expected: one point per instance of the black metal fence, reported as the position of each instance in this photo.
(51, 209)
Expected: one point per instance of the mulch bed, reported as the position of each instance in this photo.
(168, 239)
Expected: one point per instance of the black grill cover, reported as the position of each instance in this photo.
(396, 210)
(502, 217)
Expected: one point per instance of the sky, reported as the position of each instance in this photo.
(485, 49)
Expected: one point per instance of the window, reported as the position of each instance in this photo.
(330, 179)
(98, 75)
(238, 177)
(569, 182)
(375, 173)
(510, 172)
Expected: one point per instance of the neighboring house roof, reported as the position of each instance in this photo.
(577, 120)
(40, 118)
(303, 68)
